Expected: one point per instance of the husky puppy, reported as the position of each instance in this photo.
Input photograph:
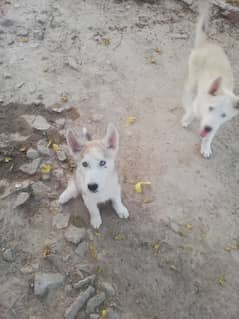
(96, 177)
(208, 93)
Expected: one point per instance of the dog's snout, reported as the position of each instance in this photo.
(93, 187)
(208, 128)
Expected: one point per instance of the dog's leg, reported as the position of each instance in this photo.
(188, 97)
(95, 218)
(119, 207)
(206, 144)
(70, 192)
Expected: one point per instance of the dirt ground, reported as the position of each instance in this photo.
(177, 256)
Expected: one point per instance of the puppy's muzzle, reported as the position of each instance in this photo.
(93, 187)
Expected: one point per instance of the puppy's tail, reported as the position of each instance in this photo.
(202, 25)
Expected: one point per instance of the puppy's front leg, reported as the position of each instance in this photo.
(188, 97)
(95, 218)
(70, 192)
(206, 150)
(119, 207)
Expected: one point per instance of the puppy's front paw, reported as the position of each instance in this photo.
(184, 123)
(62, 199)
(96, 222)
(123, 212)
(206, 151)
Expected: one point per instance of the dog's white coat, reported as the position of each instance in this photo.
(208, 94)
(106, 177)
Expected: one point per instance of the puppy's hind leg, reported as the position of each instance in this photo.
(188, 97)
(119, 207)
(70, 192)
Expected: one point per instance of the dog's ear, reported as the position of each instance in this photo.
(75, 140)
(111, 139)
(215, 86)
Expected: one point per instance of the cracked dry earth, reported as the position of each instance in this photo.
(67, 63)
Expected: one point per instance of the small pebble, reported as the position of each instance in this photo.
(9, 255)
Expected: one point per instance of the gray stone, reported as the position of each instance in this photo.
(94, 316)
(9, 255)
(60, 123)
(79, 303)
(47, 281)
(39, 34)
(61, 155)
(43, 148)
(31, 168)
(21, 199)
(175, 227)
(108, 288)
(61, 221)
(32, 153)
(82, 249)
(23, 186)
(40, 123)
(112, 314)
(85, 282)
(75, 234)
(95, 302)
(40, 189)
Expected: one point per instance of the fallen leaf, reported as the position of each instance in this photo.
(23, 149)
(24, 39)
(173, 267)
(55, 147)
(188, 226)
(156, 248)
(49, 143)
(221, 280)
(46, 251)
(119, 237)
(92, 251)
(130, 120)
(45, 169)
(64, 98)
(106, 42)
(153, 61)
(157, 50)
(7, 159)
(104, 313)
(138, 186)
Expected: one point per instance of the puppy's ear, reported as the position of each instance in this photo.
(75, 141)
(215, 86)
(111, 139)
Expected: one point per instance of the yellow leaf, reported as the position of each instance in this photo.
(130, 120)
(188, 226)
(104, 313)
(55, 147)
(46, 251)
(157, 50)
(45, 169)
(119, 237)
(138, 186)
(106, 42)
(7, 159)
(49, 143)
(156, 248)
(64, 98)
(221, 280)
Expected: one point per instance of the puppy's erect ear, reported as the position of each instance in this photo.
(75, 140)
(215, 86)
(111, 139)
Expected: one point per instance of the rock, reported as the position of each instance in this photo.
(60, 123)
(47, 281)
(61, 155)
(228, 10)
(79, 303)
(9, 255)
(82, 249)
(61, 221)
(75, 234)
(97, 117)
(85, 282)
(31, 168)
(43, 148)
(40, 189)
(40, 123)
(108, 288)
(94, 316)
(21, 199)
(95, 302)
(175, 227)
(27, 269)
(112, 314)
(23, 186)
(32, 153)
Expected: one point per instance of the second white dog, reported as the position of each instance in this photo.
(209, 88)
(96, 176)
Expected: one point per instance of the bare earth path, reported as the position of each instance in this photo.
(177, 257)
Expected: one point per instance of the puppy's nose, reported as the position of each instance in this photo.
(208, 128)
(93, 187)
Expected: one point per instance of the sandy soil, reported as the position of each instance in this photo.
(177, 256)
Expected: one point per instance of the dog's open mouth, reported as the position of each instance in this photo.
(203, 133)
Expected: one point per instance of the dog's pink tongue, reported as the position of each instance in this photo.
(203, 133)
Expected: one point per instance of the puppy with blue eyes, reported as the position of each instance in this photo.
(95, 178)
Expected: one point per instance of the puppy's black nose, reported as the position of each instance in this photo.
(208, 128)
(93, 187)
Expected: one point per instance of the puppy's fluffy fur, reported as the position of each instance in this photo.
(208, 94)
(96, 177)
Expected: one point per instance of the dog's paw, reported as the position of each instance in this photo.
(123, 212)
(184, 123)
(62, 199)
(96, 222)
(206, 152)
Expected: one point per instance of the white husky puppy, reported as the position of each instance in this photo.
(96, 176)
(208, 94)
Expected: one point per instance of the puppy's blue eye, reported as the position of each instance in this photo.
(102, 163)
(84, 164)
(223, 115)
